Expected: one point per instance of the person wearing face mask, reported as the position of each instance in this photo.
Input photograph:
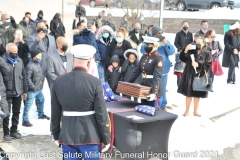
(165, 49)
(135, 36)
(35, 80)
(151, 68)
(16, 90)
(214, 47)
(104, 37)
(148, 32)
(90, 117)
(27, 24)
(40, 18)
(117, 47)
(44, 42)
(82, 35)
(182, 39)
(203, 62)
(204, 28)
(7, 29)
(60, 62)
(80, 11)
(56, 26)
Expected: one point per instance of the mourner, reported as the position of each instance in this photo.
(151, 66)
(81, 105)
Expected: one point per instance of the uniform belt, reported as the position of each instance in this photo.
(72, 113)
(147, 76)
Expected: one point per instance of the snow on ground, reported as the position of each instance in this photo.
(188, 134)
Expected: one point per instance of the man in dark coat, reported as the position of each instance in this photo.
(85, 123)
(16, 90)
(56, 26)
(204, 28)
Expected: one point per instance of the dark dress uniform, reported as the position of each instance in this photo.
(78, 91)
(152, 73)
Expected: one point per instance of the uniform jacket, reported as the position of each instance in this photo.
(15, 82)
(35, 77)
(28, 27)
(33, 44)
(149, 65)
(55, 66)
(216, 46)
(87, 37)
(70, 94)
(165, 52)
(231, 43)
(182, 40)
(4, 72)
(6, 35)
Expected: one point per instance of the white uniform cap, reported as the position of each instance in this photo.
(148, 39)
(83, 51)
(234, 26)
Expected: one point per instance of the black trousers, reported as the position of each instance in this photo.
(14, 104)
(178, 81)
(231, 71)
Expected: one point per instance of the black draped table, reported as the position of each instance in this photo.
(136, 135)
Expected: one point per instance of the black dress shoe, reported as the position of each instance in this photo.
(27, 124)
(16, 135)
(7, 138)
(44, 117)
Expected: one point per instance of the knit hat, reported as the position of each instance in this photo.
(35, 52)
(155, 30)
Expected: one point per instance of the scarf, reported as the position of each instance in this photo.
(11, 60)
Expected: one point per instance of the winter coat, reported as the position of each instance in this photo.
(80, 11)
(4, 72)
(28, 27)
(15, 82)
(231, 43)
(216, 46)
(204, 60)
(126, 45)
(2, 49)
(102, 46)
(56, 27)
(35, 77)
(113, 77)
(179, 65)
(182, 40)
(201, 33)
(165, 52)
(23, 51)
(86, 37)
(6, 35)
(135, 42)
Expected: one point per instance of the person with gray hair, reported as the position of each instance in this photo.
(16, 90)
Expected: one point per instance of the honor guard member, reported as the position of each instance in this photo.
(77, 97)
(151, 68)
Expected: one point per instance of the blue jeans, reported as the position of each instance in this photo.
(101, 72)
(88, 152)
(29, 101)
(163, 100)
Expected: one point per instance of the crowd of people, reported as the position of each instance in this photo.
(30, 53)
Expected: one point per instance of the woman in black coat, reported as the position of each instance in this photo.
(117, 47)
(231, 51)
(56, 26)
(203, 62)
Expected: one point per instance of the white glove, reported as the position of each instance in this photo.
(151, 97)
(105, 148)
(57, 143)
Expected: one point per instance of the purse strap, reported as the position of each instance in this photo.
(205, 75)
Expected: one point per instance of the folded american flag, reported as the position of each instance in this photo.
(108, 93)
(148, 110)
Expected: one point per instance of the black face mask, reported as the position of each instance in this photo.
(185, 28)
(13, 55)
(198, 47)
(42, 29)
(148, 49)
(64, 48)
(40, 17)
(136, 30)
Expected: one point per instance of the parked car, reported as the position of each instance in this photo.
(200, 4)
(234, 4)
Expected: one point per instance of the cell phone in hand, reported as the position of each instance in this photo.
(193, 47)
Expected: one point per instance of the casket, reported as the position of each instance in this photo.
(133, 89)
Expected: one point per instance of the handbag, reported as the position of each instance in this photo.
(202, 83)
(216, 68)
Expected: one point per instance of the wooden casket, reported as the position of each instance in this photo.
(133, 89)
